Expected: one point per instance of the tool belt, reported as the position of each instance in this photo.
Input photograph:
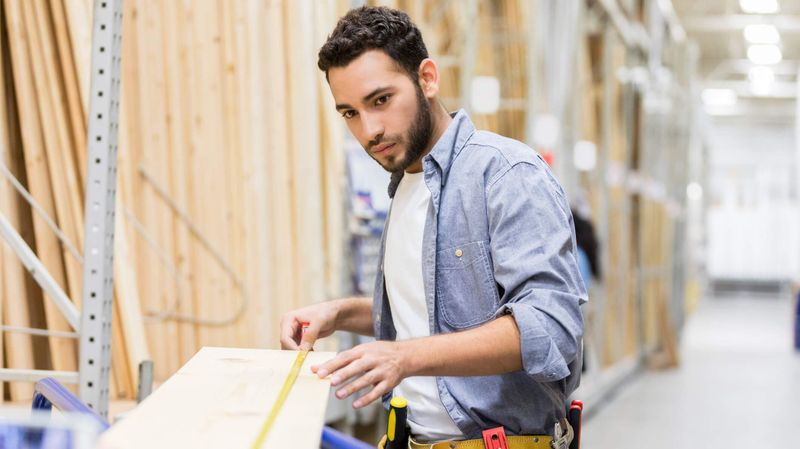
(514, 442)
(563, 436)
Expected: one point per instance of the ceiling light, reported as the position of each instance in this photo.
(761, 34)
(761, 80)
(719, 97)
(764, 54)
(759, 6)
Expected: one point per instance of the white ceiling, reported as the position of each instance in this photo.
(717, 26)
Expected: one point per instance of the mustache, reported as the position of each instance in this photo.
(373, 143)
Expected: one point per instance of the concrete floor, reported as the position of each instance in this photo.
(738, 385)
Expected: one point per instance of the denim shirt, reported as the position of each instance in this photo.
(498, 239)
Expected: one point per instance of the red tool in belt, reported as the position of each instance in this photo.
(495, 438)
(574, 417)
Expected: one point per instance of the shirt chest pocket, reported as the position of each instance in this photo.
(465, 287)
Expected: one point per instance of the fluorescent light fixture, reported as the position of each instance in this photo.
(764, 54)
(485, 94)
(694, 191)
(761, 80)
(761, 33)
(759, 6)
(584, 155)
(719, 97)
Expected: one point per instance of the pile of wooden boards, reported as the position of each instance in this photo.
(43, 134)
(238, 178)
(230, 175)
(633, 194)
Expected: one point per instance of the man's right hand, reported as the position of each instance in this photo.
(353, 314)
(322, 323)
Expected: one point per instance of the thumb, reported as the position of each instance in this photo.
(308, 336)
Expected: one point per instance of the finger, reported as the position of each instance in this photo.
(288, 344)
(354, 369)
(376, 393)
(343, 359)
(309, 336)
(366, 380)
(288, 332)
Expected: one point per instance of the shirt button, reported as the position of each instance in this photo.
(459, 253)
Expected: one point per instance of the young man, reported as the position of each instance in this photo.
(476, 305)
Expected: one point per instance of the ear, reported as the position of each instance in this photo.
(428, 78)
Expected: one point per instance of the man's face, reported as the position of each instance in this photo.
(384, 109)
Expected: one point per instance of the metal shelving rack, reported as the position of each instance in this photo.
(101, 188)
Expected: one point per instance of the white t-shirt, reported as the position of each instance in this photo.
(402, 264)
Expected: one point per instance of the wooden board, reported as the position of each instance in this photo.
(331, 155)
(79, 21)
(19, 347)
(221, 398)
(258, 273)
(305, 185)
(276, 97)
(62, 174)
(74, 104)
(5, 193)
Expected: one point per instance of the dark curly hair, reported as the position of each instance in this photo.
(374, 28)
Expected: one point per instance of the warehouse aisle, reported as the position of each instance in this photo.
(737, 385)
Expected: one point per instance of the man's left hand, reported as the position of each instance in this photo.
(378, 366)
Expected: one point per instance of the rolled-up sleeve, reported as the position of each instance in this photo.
(534, 256)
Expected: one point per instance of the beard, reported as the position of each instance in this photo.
(415, 140)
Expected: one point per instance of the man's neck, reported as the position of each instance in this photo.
(441, 120)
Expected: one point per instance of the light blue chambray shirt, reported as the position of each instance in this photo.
(498, 239)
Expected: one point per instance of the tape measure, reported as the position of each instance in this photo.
(284, 393)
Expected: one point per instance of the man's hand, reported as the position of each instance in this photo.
(322, 323)
(378, 367)
(352, 314)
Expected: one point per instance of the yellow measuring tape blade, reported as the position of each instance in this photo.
(284, 393)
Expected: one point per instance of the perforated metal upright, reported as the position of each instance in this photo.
(101, 186)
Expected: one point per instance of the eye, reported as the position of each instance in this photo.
(348, 114)
(381, 100)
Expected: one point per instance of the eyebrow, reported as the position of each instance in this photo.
(366, 98)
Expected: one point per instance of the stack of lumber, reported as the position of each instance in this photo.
(630, 199)
(239, 173)
(656, 236)
(620, 273)
(608, 117)
(230, 175)
(42, 127)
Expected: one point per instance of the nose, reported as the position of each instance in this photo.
(372, 127)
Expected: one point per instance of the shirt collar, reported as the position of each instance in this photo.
(446, 148)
